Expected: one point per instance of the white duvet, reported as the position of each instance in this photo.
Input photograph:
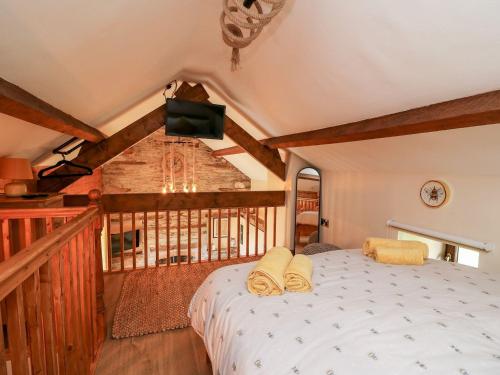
(363, 318)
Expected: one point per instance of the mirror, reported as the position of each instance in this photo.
(307, 208)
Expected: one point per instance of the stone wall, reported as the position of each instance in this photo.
(140, 168)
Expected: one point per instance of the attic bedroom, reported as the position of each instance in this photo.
(240, 187)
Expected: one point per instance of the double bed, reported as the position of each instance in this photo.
(361, 318)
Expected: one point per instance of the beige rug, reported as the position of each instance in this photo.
(157, 299)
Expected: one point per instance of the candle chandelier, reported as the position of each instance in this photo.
(243, 20)
(172, 163)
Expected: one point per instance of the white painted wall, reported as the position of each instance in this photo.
(359, 204)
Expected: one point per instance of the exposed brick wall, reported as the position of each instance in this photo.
(139, 169)
(86, 183)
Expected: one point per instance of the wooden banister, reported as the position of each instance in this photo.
(36, 213)
(20, 266)
(51, 288)
(181, 201)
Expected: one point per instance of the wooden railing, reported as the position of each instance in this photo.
(152, 230)
(51, 308)
(307, 204)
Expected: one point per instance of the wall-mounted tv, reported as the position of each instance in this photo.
(197, 120)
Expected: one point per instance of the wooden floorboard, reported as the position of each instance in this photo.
(174, 352)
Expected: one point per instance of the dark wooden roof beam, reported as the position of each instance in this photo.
(476, 110)
(18, 103)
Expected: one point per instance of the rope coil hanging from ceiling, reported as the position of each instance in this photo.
(241, 25)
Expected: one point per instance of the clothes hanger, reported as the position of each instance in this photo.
(85, 171)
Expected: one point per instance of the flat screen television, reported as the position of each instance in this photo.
(197, 120)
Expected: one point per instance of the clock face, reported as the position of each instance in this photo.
(434, 193)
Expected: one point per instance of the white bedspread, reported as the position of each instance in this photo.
(363, 318)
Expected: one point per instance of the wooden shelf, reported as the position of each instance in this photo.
(53, 200)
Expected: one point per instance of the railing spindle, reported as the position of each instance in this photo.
(52, 313)
(189, 236)
(219, 234)
(4, 240)
(157, 239)
(27, 233)
(16, 327)
(134, 244)
(146, 250)
(69, 323)
(228, 233)
(209, 238)
(274, 227)
(92, 287)
(110, 251)
(178, 237)
(80, 258)
(3, 355)
(199, 236)
(167, 213)
(265, 230)
(256, 231)
(122, 243)
(238, 234)
(32, 302)
(248, 232)
(75, 304)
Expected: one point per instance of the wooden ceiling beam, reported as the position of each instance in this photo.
(18, 103)
(271, 159)
(477, 110)
(228, 151)
(95, 155)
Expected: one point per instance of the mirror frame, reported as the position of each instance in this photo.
(295, 204)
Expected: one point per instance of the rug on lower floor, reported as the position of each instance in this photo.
(157, 299)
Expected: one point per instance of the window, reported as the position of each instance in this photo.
(468, 257)
(442, 251)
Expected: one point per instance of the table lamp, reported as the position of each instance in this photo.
(15, 169)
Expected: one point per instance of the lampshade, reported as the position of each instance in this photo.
(15, 169)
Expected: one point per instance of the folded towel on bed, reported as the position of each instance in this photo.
(372, 242)
(393, 255)
(267, 278)
(298, 275)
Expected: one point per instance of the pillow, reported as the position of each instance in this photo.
(316, 248)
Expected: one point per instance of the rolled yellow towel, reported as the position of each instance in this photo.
(372, 242)
(267, 278)
(392, 255)
(298, 275)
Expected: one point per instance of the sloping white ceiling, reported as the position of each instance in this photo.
(320, 63)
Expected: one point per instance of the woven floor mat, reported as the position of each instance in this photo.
(157, 299)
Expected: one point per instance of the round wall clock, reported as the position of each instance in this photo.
(178, 161)
(434, 193)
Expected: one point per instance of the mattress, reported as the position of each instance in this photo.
(362, 318)
(308, 218)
